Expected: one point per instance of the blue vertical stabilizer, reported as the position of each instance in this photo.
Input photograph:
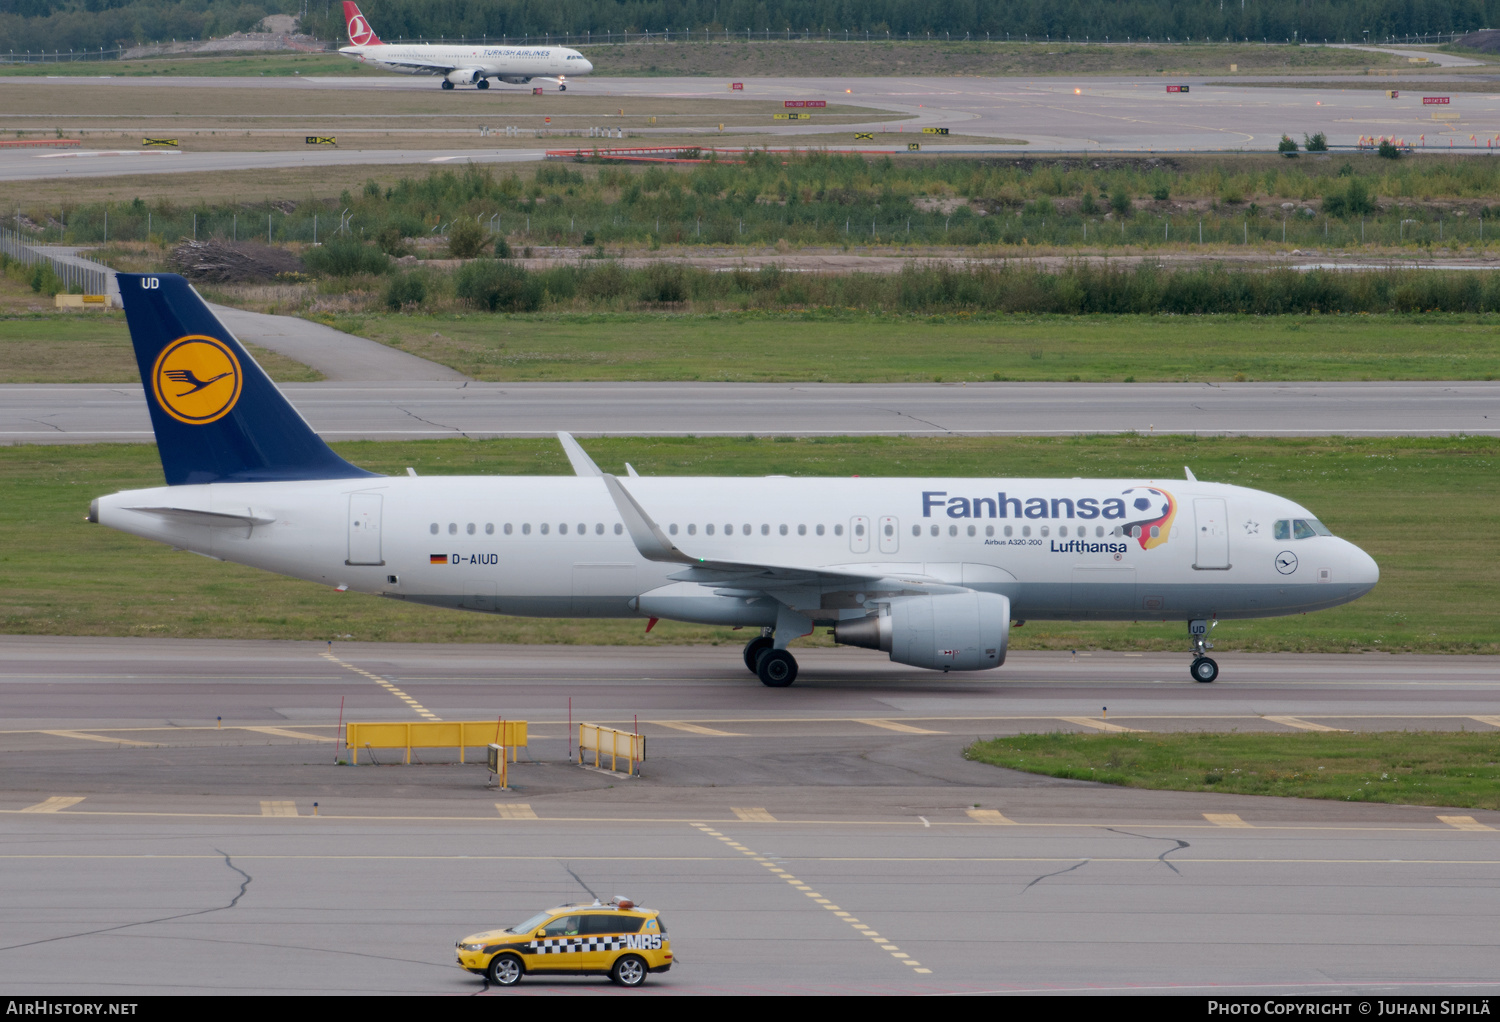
(217, 415)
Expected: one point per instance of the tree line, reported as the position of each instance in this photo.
(49, 25)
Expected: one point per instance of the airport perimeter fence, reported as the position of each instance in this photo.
(763, 224)
(74, 278)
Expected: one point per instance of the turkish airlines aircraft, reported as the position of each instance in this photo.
(931, 571)
(462, 65)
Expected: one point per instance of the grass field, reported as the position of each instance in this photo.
(779, 58)
(860, 349)
(94, 347)
(853, 348)
(1410, 768)
(1422, 507)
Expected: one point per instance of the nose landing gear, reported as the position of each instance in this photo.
(1204, 669)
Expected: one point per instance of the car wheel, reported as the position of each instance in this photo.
(629, 971)
(505, 970)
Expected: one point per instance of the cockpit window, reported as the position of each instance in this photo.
(1299, 528)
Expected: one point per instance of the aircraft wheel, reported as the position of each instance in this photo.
(447, 84)
(484, 83)
(1204, 670)
(562, 88)
(753, 649)
(777, 668)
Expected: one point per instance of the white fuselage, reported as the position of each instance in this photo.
(556, 546)
(508, 63)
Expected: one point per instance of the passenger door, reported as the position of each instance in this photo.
(364, 529)
(602, 940)
(890, 534)
(1212, 518)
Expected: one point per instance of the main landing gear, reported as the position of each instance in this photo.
(776, 668)
(447, 84)
(1204, 669)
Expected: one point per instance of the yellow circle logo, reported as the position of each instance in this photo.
(197, 379)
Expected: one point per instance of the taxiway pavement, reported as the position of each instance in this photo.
(1086, 115)
(76, 413)
(824, 838)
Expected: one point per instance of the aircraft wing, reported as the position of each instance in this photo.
(748, 578)
(419, 65)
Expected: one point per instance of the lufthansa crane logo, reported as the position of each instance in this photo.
(197, 379)
(359, 30)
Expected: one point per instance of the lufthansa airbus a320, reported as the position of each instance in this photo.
(931, 571)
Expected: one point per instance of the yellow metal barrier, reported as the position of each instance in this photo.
(606, 741)
(434, 734)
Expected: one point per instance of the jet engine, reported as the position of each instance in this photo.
(949, 632)
(515, 79)
(463, 76)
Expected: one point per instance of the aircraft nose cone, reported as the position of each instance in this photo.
(587, 67)
(1363, 571)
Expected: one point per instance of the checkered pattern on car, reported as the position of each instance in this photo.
(563, 945)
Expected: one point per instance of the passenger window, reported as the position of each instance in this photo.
(620, 528)
(562, 926)
(838, 530)
(583, 529)
(934, 530)
(708, 530)
(1301, 530)
(1062, 530)
(1008, 530)
(672, 528)
(953, 530)
(453, 528)
(692, 530)
(489, 528)
(471, 528)
(782, 530)
(1099, 531)
(1025, 530)
(610, 924)
(507, 528)
(1155, 531)
(1044, 530)
(802, 530)
(746, 529)
(820, 530)
(729, 529)
(599, 529)
(526, 529)
(544, 528)
(971, 530)
(1135, 532)
(916, 530)
(433, 528)
(1282, 529)
(562, 530)
(989, 530)
(859, 530)
(765, 530)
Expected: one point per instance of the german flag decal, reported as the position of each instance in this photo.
(438, 558)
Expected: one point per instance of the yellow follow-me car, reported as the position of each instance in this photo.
(618, 939)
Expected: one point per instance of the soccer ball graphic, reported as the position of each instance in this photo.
(1149, 509)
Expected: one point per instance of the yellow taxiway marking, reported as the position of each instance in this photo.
(284, 733)
(85, 736)
(754, 814)
(1464, 823)
(383, 683)
(1302, 725)
(55, 804)
(1225, 819)
(696, 729)
(515, 811)
(781, 874)
(1101, 725)
(891, 725)
(1491, 721)
(982, 861)
(988, 816)
(278, 808)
